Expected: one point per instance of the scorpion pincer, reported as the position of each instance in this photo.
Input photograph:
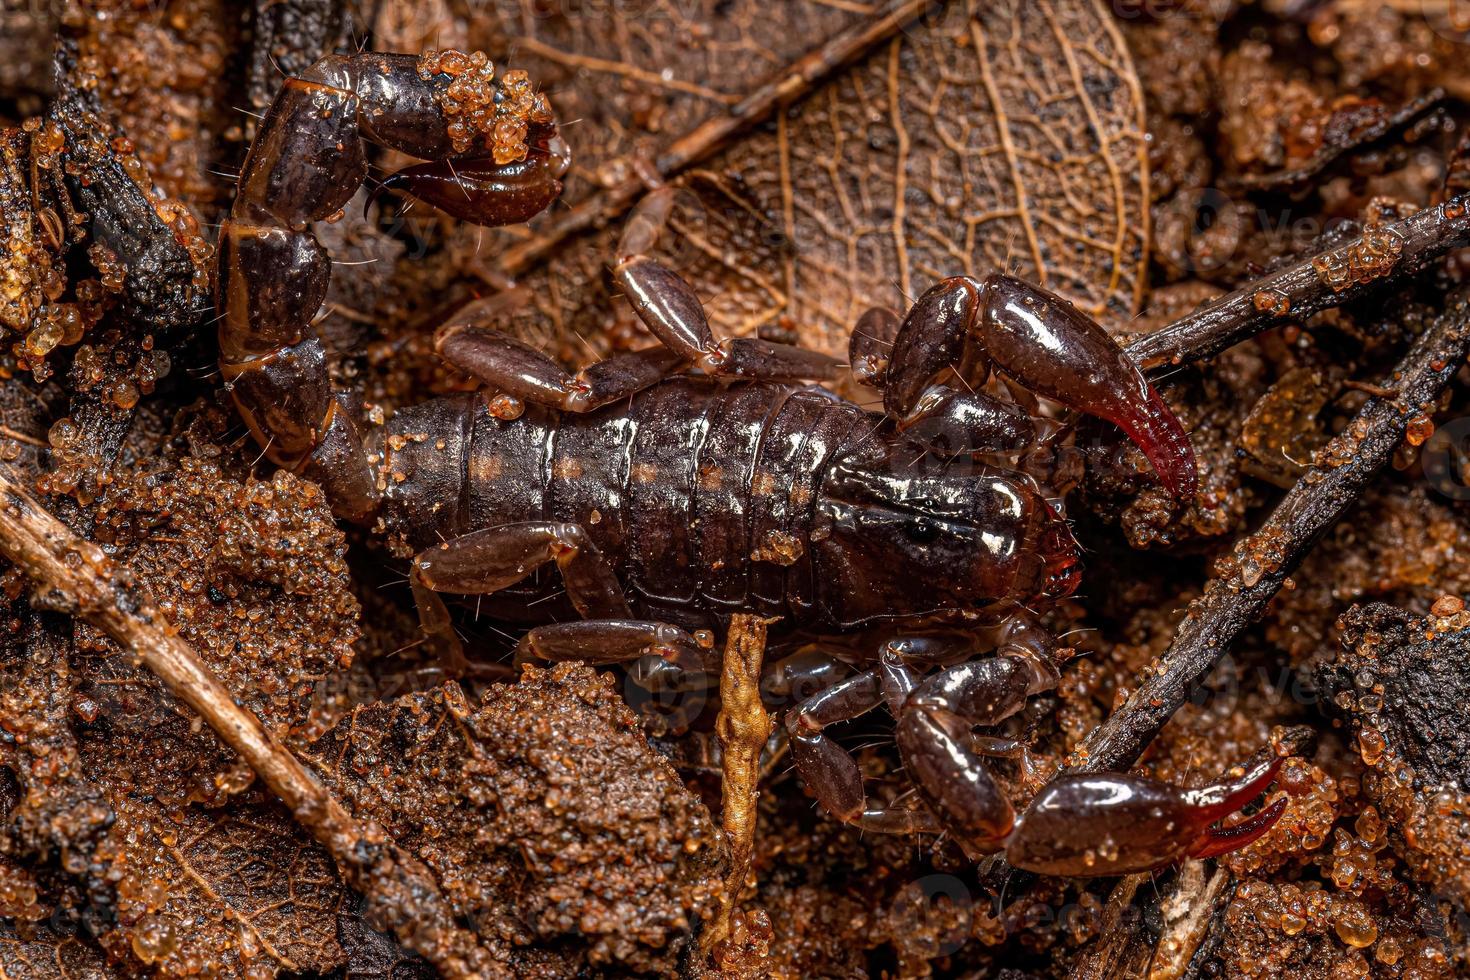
(678, 484)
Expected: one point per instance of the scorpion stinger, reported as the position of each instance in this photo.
(483, 191)
(1041, 341)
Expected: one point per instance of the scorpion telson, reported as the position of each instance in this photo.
(702, 476)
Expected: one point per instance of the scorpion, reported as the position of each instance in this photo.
(678, 484)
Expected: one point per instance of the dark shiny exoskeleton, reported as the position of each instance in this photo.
(706, 499)
(679, 484)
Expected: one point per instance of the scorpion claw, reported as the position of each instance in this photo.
(1117, 823)
(1219, 800)
(1042, 341)
(480, 190)
(1222, 840)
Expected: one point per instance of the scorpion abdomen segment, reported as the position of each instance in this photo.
(700, 495)
(722, 491)
(307, 159)
(426, 461)
(811, 429)
(272, 280)
(672, 422)
(397, 106)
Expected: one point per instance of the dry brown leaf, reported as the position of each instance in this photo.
(253, 575)
(986, 136)
(373, 956)
(38, 941)
(40, 952)
(239, 892)
(109, 767)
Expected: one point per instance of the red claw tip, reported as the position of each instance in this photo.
(1222, 840)
(1166, 445)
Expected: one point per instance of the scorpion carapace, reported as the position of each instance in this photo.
(675, 485)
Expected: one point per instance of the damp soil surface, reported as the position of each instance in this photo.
(1176, 150)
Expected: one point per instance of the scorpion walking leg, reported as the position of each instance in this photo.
(1039, 340)
(673, 312)
(829, 770)
(871, 344)
(613, 641)
(487, 561)
(665, 659)
(514, 368)
(937, 715)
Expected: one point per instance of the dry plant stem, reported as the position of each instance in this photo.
(1392, 128)
(1298, 291)
(607, 204)
(75, 575)
(1120, 950)
(1262, 561)
(1188, 909)
(744, 728)
(1188, 915)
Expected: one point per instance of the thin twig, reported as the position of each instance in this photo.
(607, 204)
(1391, 129)
(1307, 287)
(77, 576)
(744, 728)
(1262, 561)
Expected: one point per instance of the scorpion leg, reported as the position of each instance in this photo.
(487, 561)
(673, 312)
(614, 641)
(871, 344)
(829, 770)
(935, 730)
(1041, 341)
(664, 659)
(1117, 823)
(797, 676)
(512, 367)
